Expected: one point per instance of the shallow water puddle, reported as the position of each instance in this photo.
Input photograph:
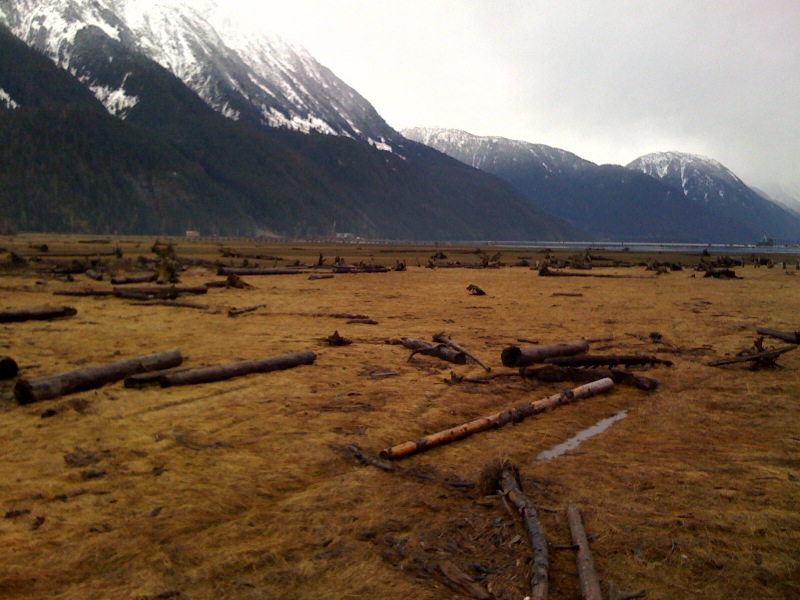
(581, 436)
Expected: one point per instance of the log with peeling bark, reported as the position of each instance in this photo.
(512, 491)
(53, 386)
(793, 337)
(608, 360)
(8, 368)
(553, 374)
(36, 313)
(497, 420)
(590, 584)
(222, 372)
(514, 356)
(440, 351)
(440, 338)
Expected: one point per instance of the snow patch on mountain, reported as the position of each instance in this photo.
(116, 101)
(7, 100)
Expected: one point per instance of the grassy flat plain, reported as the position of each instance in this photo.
(244, 489)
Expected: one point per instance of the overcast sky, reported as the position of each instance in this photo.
(609, 80)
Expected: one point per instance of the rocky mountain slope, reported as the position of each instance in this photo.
(231, 170)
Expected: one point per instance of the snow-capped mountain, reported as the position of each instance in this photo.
(256, 79)
(699, 177)
(491, 153)
(659, 197)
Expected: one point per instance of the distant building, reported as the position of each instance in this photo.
(192, 234)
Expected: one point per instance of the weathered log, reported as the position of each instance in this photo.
(793, 337)
(8, 368)
(440, 338)
(36, 313)
(440, 351)
(174, 303)
(765, 357)
(258, 271)
(229, 371)
(164, 291)
(141, 380)
(83, 293)
(610, 360)
(53, 386)
(367, 459)
(553, 374)
(512, 492)
(475, 290)
(235, 312)
(514, 356)
(590, 585)
(133, 279)
(497, 420)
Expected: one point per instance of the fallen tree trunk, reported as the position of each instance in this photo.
(590, 585)
(258, 271)
(229, 371)
(133, 279)
(512, 492)
(173, 303)
(497, 420)
(767, 357)
(235, 312)
(793, 337)
(440, 338)
(609, 360)
(8, 367)
(53, 386)
(554, 374)
(36, 313)
(141, 380)
(440, 351)
(514, 356)
(163, 291)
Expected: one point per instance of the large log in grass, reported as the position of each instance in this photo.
(229, 371)
(514, 356)
(8, 367)
(53, 386)
(497, 420)
(36, 313)
(590, 584)
(793, 337)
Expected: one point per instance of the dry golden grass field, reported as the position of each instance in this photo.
(246, 489)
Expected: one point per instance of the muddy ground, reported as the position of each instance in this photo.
(246, 488)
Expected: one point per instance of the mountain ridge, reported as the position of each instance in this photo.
(668, 196)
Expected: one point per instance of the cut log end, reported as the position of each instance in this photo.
(8, 368)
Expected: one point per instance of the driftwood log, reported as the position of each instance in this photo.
(514, 356)
(497, 420)
(53, 386)
(163, 291)
(608, 360)
(504, 476)
(440, 338)
(258, 271)
(235, 312)
(229, 371)
(792, 337)
(8, 367)
(554, 374)
(764, 358)
(590, 585)
(142, 380)
(437, 351)
(36, 313)
(134, 279)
